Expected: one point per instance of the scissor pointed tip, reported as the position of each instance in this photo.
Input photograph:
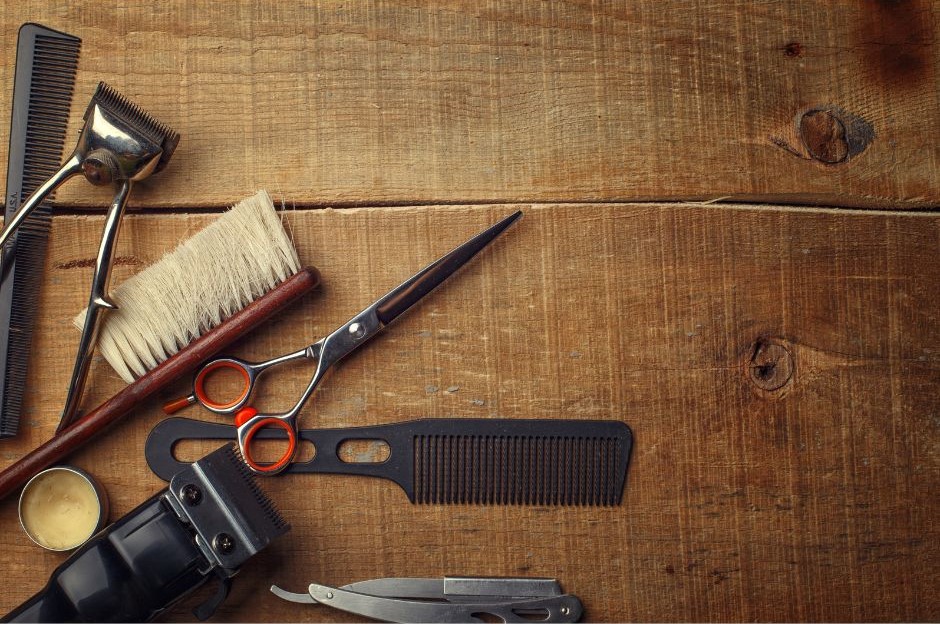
(499, 227)
(513, 217)
(396, 302)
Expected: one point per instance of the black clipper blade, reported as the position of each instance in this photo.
(232, 517)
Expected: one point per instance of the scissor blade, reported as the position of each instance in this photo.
(400, 299)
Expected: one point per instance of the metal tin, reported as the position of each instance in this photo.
(100, 497)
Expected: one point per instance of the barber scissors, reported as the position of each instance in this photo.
(326, 352)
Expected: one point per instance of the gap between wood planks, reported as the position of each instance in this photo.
(720, 202)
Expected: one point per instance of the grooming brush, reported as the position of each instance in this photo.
(259, 279)
(46, 61)
(207, 524)
(120, 144)
(483, 461)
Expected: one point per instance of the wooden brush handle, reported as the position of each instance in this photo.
(185, 361)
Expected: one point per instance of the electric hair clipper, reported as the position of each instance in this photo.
(209, 522)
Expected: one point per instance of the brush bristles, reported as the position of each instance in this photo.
(239, 257)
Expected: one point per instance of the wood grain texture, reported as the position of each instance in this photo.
(402, 102)
(778, 368)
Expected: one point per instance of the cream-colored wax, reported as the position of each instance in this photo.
(60, 509)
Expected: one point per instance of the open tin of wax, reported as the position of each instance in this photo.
(61, 507)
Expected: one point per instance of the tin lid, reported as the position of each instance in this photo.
(62, 507)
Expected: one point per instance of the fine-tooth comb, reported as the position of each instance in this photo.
(483, 461)
(46, 62)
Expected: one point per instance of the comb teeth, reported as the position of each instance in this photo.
(517, 470)
(278, 524)
(55, 62)
(108, 97)
(36, 141)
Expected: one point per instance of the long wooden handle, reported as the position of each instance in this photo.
(183, 362)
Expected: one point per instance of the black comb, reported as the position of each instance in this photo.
(488, 461)
(46, 62)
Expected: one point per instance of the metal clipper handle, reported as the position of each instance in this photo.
(71, 167)
(98, 304)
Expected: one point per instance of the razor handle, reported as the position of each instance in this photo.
(129, 572)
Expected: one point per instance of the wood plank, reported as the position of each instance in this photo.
(812, 501)
(339, 103)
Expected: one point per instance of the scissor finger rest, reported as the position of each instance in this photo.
(249, 424)
(223, 407)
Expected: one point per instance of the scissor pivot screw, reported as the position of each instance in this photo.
(191, 495)
(224, 543)
(357, 330)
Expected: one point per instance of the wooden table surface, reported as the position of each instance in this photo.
(730, 243)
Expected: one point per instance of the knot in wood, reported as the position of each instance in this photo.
(824, 136)
(794, 49)
(832, 135)
(771, 366)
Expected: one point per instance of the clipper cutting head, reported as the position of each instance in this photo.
(133, 116)
(220, 498)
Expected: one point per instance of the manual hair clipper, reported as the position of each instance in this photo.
(120, 144)
(209, 522)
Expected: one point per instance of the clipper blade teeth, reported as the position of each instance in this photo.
(233, 455)
(160, 133)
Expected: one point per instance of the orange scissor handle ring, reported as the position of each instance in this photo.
(199, 385)
(246, 414)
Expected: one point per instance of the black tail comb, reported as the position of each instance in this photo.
(455, 460)
(46, 62)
